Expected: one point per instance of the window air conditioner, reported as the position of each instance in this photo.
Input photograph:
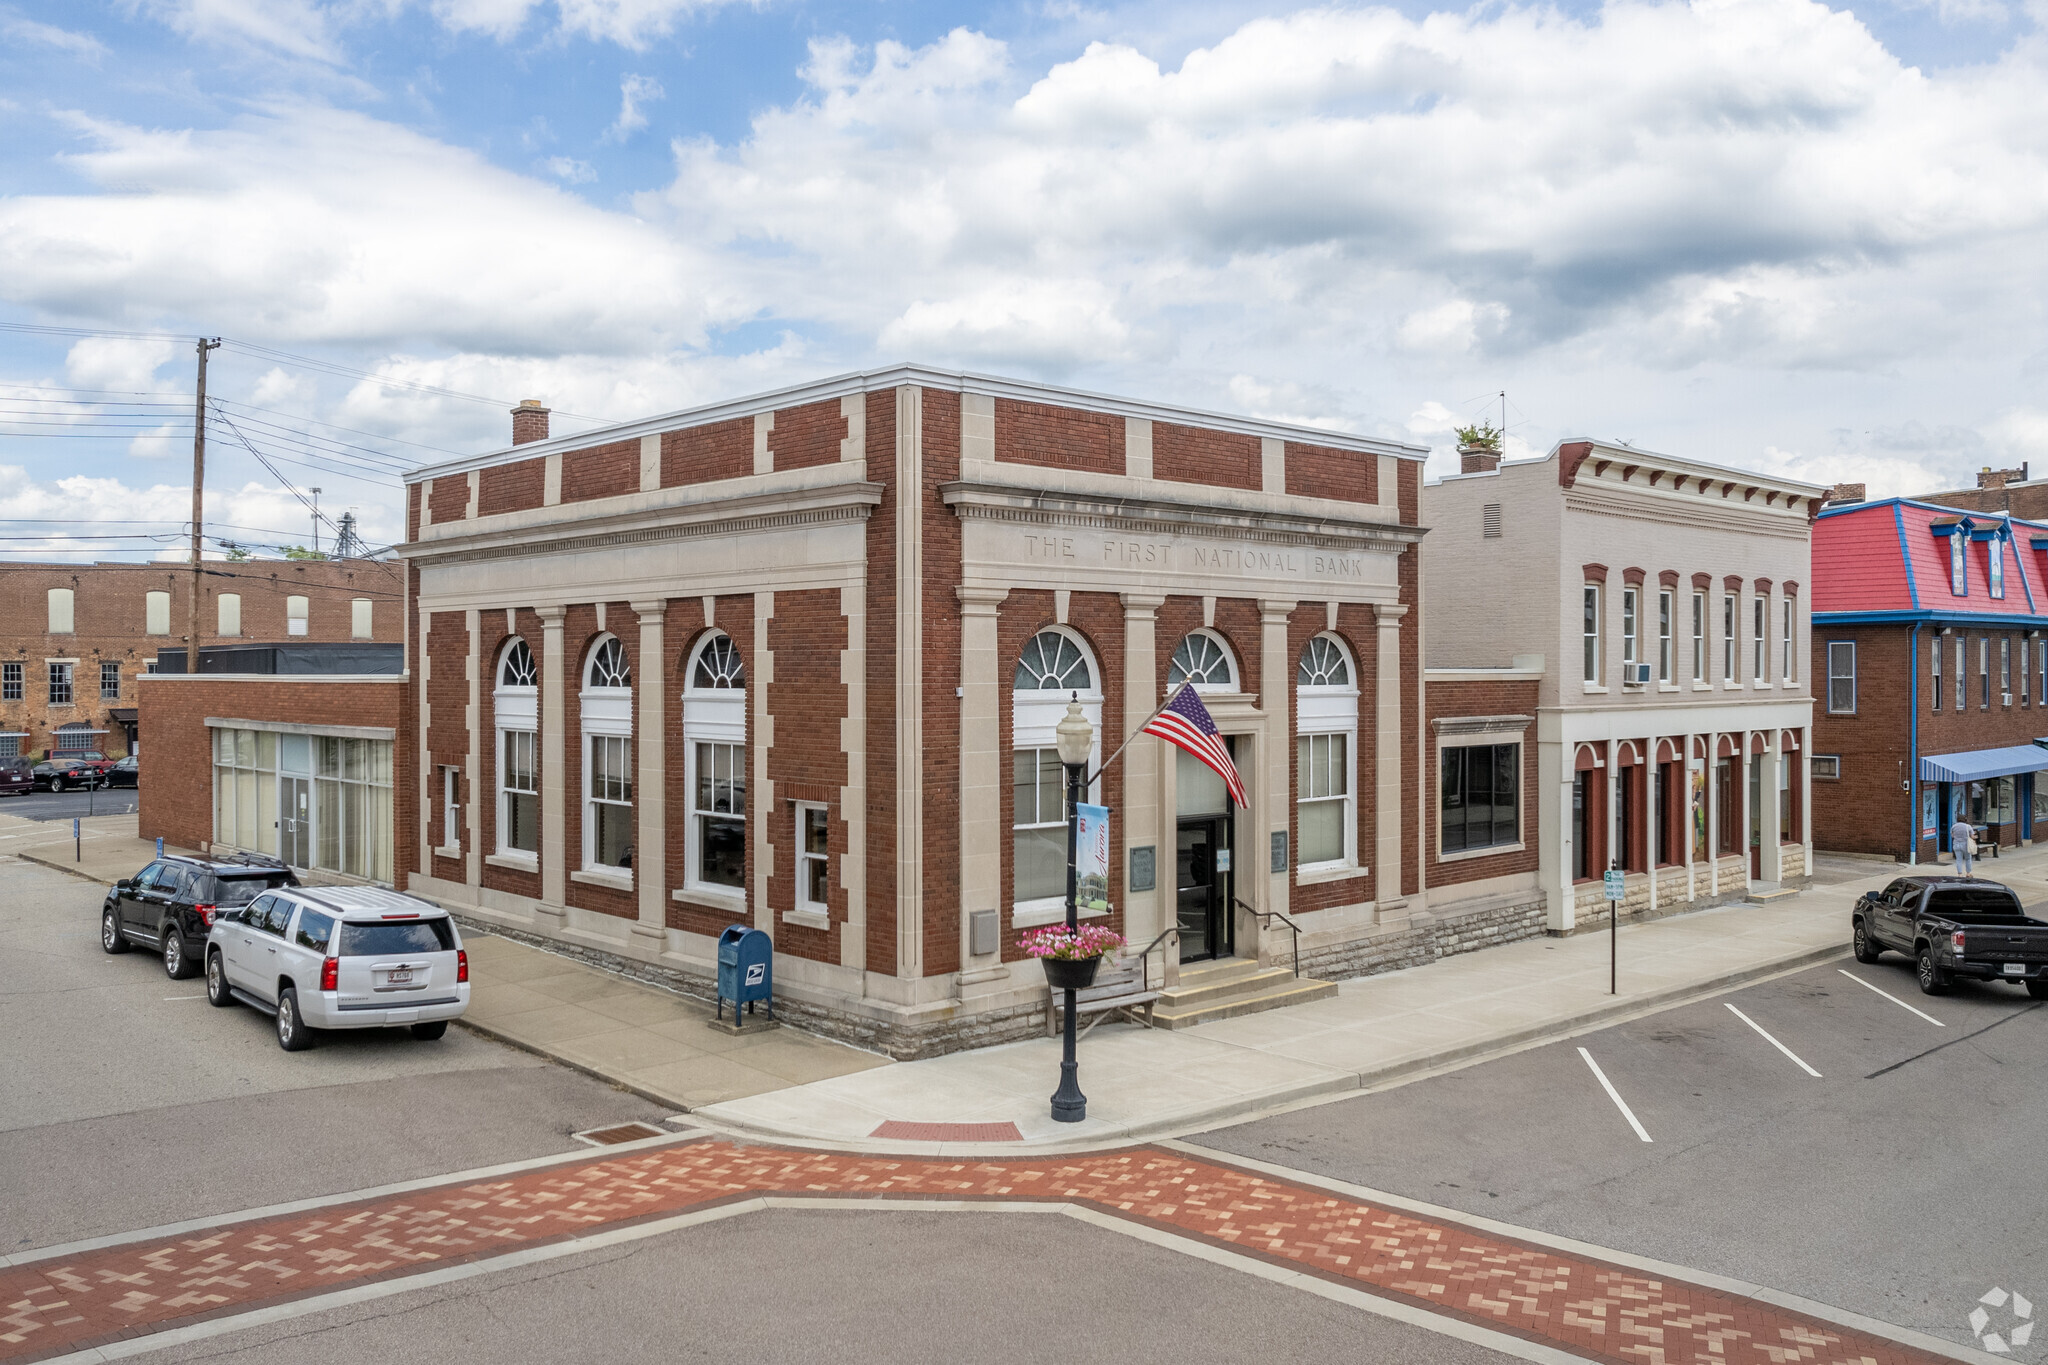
(2007, 696)
(1635, 673)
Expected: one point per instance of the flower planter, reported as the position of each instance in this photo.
(1071, 973)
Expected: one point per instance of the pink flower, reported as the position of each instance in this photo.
(1057, 941)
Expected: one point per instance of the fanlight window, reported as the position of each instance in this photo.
(1201, 661)
(1052, 662)
(608, 666)
(517, 670)
(718, 666)
(1323, 665)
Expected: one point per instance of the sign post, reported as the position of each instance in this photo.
(77, 843)
(1613, 882)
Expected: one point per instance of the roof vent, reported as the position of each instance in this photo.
(1489, 521)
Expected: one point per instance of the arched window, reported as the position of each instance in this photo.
(607, 716)
(715, 763)
(1326, 756)
(516, 715)
(1054, 667)
(1204, 660)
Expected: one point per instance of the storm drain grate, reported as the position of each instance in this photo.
(611, 1137)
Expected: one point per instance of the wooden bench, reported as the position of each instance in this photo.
(1125, 990)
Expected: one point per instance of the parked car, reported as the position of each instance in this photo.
(339, 957)
(17, 776)
(172, 904)
(72, 772)
(1954, 927)
(125, 772)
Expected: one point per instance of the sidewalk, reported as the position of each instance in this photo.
(1143, 1083)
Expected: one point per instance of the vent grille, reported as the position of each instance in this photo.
(1489, 521)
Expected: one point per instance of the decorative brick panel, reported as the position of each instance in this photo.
(514, 487)
(808, 701)
(448, 496)
(942, 679)
(1222, 459)
(1326, 472)
(1058, 438)
(601, 471)
(807, 435)
(881, 686)
(705, 454)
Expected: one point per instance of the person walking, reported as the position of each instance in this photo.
(1963, 839)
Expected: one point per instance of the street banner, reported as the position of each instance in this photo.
(1091, 858)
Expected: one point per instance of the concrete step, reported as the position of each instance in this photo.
(1230, 987)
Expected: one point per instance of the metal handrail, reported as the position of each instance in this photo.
(1264, 915)
(1145, 953)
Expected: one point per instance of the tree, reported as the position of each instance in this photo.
(1480, 434)
(301, 552)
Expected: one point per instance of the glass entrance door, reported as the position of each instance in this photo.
(295, 821)
(1202, 881)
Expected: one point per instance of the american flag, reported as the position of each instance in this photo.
(1186, 722)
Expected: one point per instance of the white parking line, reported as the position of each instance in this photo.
(1614, 1095)
(1889, 996)
(185, 997)
(1774, 1042)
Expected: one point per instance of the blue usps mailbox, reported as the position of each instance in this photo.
(746, 970)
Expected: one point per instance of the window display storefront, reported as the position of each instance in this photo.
(321, 802)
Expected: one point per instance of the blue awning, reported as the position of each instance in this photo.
(1978, 764)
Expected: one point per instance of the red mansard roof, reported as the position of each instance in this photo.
(1888, 557)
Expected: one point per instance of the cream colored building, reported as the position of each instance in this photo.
(1663, 602)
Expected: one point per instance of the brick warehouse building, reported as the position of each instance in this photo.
(1927, 641)
(1649, 605)
(77, 636)
(718, 666)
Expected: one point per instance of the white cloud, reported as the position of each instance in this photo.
(120, 364)
(569, 170)
(634, 92)
(30, 33)
(292, 28)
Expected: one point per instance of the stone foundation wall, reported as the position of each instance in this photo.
(1791, 862)
(1427, 937)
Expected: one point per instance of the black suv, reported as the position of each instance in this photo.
(171, 903)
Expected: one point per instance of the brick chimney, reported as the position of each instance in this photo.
(1846, 492)
(529, 422)
(1478, 458)
(1987, 477)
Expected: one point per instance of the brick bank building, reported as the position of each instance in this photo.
(795, 661)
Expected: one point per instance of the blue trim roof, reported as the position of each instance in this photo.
(1912, 587)
(1979, 764)
(2009, 620)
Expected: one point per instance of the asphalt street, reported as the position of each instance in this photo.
(127, 1101)
(42, 805)
(1903, 1182)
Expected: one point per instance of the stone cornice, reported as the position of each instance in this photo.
(1164, 516)
(826, 504)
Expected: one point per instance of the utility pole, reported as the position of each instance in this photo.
(198, 505)
(316, 519)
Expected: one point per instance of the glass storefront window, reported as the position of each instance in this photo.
(351, 808)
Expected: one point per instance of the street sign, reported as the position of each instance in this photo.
(1613, 880)
(1612, 883)
(159, 845)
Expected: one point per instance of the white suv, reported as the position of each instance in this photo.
(339, 957)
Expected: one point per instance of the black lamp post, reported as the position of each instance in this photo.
(1075, 738)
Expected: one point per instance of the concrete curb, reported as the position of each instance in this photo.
(70, 869)
(1321, 1089)
(496, 1036)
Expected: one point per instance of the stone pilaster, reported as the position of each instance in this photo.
(650, 783)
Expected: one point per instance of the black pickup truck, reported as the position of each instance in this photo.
(1951, 927)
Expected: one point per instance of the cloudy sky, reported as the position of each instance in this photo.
(1766, 233)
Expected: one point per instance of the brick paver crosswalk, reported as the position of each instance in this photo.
(1600, 1311)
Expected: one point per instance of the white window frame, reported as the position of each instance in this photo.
(12, 684)
(1229, 662)
(1728, 660)
(799, 831)
(62, 611)
(298, 611)
(711, 715)
(1667, 608)
(1838, 651)
(156, 612)
(1592, 653)
(1034, 714)
(451, 808)
(1631, 597)
(2005, 670)
(1984, 672)
(1827, 767)
(1996, 551)
(1788, 631)
(1962, 687)
(67, 669)
(605, 715)
(1324, 710)
(227, 615)
(1699, 636)
(1760, 614)
(515, 711)
(1958, 563)
(361, 618)
(1935, 674)
(114, 695)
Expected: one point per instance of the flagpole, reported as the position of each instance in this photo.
(1139, 731)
